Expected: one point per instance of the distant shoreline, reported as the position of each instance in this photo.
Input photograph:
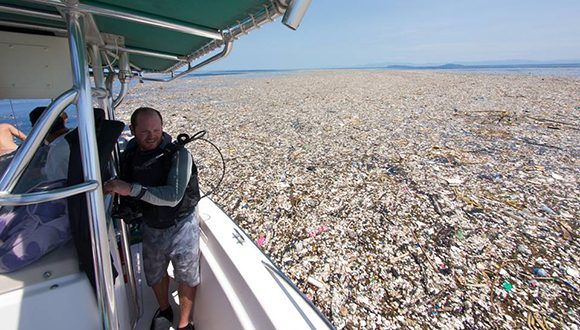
(451, 66)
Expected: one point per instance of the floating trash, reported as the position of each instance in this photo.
(261, 241)
(572, 272)
(540, 272)
(319, 230)
(459, 234)
(507, 286)
(477, 170)
(523, 249)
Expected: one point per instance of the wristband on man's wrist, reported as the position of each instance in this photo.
(141, 192)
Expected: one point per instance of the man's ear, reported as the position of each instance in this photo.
(132, 130)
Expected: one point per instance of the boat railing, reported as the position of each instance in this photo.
(46, 196)
(81, 96)
(270, 12)
(26, 152)
(277, 274)
(225, 51)
(110, 104)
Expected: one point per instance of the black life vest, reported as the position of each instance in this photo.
(132, 170)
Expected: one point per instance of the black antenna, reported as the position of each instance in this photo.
(14, 115)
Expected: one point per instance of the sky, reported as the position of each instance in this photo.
(340, 33)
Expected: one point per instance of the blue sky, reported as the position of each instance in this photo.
(351, 33)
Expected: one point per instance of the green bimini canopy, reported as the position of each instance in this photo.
(158, 36)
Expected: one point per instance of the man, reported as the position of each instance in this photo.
(57, 129)
(166, 192)
(7, 133)
(57, 150)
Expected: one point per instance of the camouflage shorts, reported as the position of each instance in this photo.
(178, 244)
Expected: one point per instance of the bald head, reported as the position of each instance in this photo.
(147, 127)
(144, 110)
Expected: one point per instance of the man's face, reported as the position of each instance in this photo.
(148, 131)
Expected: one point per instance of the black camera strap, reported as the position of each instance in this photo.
(171, 148)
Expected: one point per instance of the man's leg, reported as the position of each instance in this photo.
(155, 262)
(185, 259)
(161, 290)
(186, 297)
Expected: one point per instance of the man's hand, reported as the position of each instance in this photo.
(117, 186)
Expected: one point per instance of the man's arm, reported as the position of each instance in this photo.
(169, 194)
(172, 192)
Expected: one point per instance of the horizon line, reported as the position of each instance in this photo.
(448, 65)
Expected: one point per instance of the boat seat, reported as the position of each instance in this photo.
(107, 133)
(60, 262)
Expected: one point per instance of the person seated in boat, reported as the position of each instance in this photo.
(58, 128)
(166, 193)
(7, 135)
(29, 232)
(40, 168)
(64, 116)
(58, 150)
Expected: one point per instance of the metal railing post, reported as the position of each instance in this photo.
(90, 161)
(125, 75)
(107, 105)
(126, 247)
(97, 64)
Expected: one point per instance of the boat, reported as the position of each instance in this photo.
(81, 53)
